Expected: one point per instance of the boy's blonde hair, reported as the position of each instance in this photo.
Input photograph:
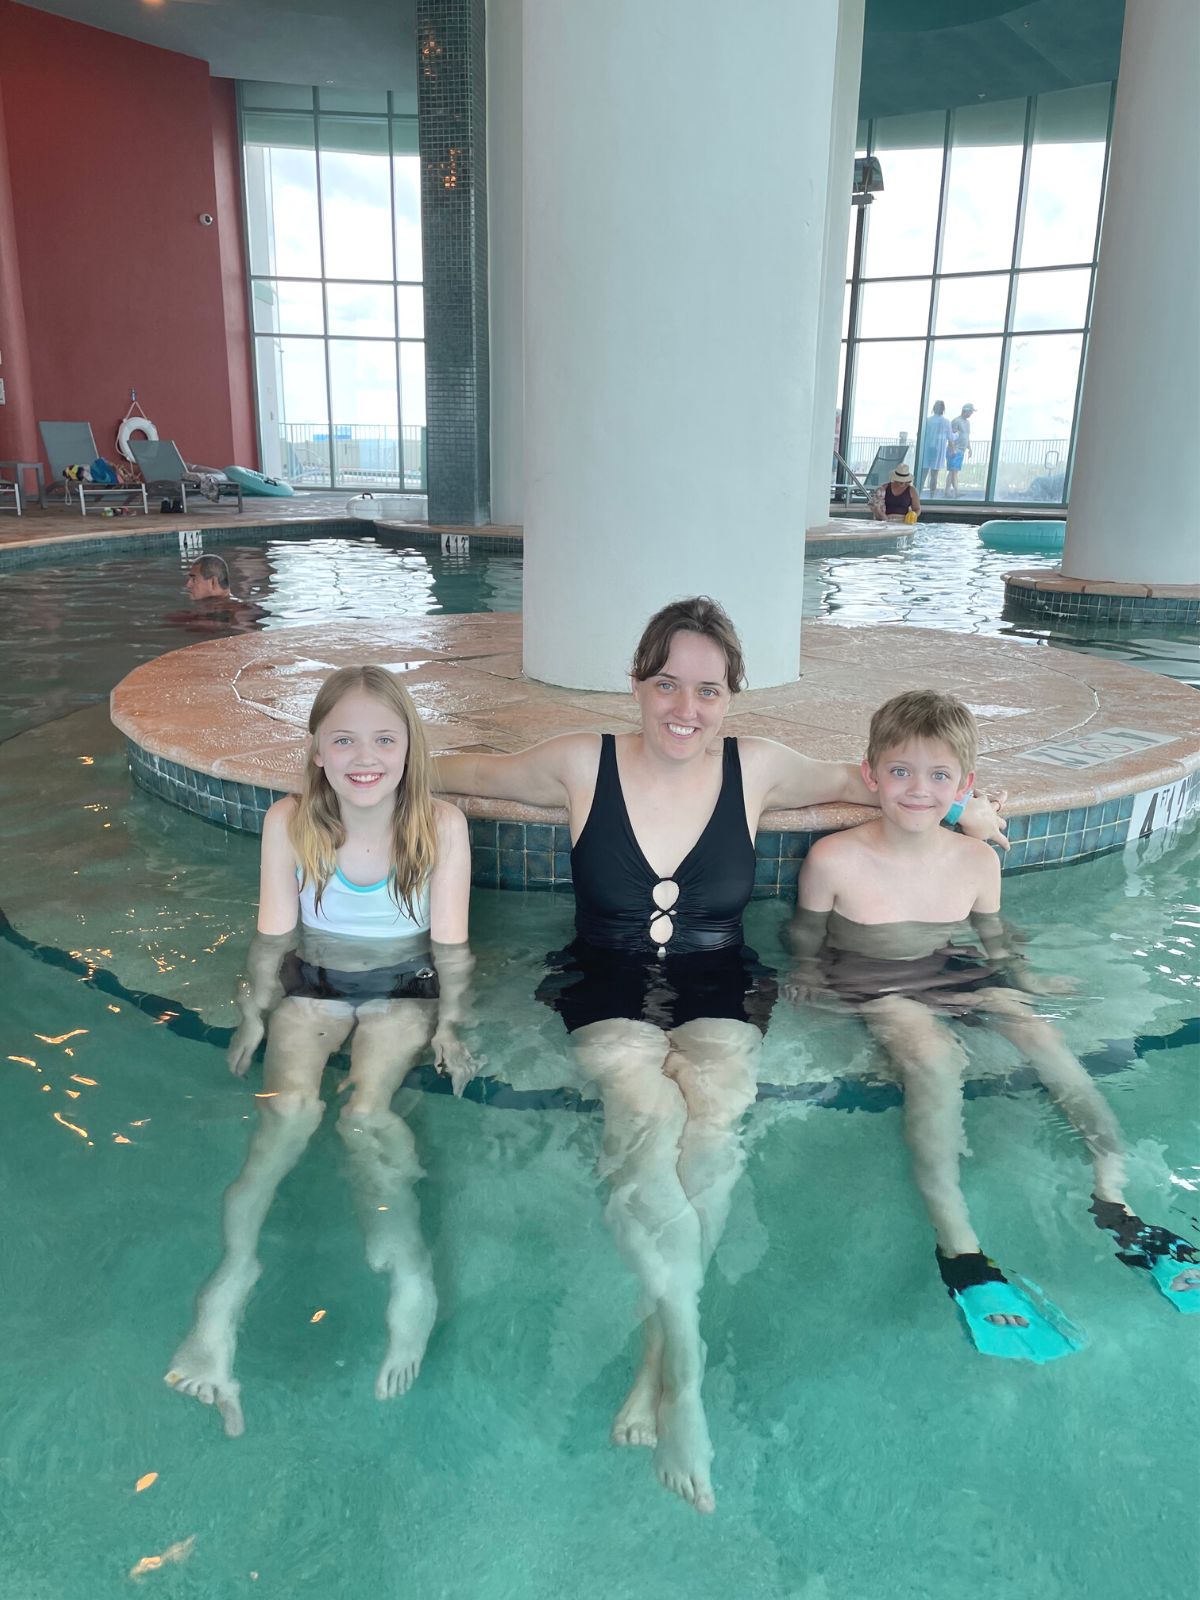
(316, 829)
(924, 714)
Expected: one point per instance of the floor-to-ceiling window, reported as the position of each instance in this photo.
(969, 284)
(334, 235)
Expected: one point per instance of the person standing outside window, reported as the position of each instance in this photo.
(959, 447)
(935, 446)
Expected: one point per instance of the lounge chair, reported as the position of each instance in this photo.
(71, 444)
(13, 488)
(163, 467)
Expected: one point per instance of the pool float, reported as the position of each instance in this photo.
(254, 483)
(1043, 536)
(134, 421)
(141, 426)
(387, 507)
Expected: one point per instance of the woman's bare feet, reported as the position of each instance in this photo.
(411, 1312)
(683, 1455)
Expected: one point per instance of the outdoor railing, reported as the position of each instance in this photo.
(364, 455)
(1027, 469)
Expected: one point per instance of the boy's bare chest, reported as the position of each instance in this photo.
(883, 890)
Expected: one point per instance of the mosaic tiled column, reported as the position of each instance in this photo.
(451, 125)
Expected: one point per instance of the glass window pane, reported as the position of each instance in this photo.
(972, 305)
(846, 313)
(287, 307)
(363, 310)
(335, 99)
(985, 177)
(1039, 403)
(1052, 299)
(356, 197)
(966, 371)
(410, 311)
(278, 130)
(888, 310)
(1066, 169)
(281, 203)
(366, 419)
(412, 382)
(412, 403)
(287, 96)
(293, 407)
(404, 136)
(902, 220)
(406, 172)
(887, 398)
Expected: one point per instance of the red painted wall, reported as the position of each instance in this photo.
(113, 150)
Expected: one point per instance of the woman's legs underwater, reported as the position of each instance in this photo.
(671, 1104)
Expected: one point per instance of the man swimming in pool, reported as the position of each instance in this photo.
(889, 919)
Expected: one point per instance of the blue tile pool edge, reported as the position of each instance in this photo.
(193, 541)
(1109, 608)
(537, 855)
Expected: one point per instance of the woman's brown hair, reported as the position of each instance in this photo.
(698, 615)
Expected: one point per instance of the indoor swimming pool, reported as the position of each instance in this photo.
(862, 1446)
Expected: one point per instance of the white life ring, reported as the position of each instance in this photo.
(128, 428)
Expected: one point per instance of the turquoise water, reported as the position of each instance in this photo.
(862, 1447)
(949, 580)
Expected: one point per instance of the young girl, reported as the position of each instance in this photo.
(362, 927)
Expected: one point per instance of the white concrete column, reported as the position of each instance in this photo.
(676, 164)
(505, 291)
(1133, 515)
(826, 396)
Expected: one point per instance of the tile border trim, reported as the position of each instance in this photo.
(537, 855)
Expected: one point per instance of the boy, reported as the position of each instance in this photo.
(888, 906)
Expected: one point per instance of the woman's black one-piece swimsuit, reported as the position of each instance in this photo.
(614, 968)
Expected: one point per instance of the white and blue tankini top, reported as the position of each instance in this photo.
(362, 911)
(360, 945)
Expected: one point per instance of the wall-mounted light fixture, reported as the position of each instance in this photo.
(868, 180)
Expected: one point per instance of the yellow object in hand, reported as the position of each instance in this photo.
(910, 516)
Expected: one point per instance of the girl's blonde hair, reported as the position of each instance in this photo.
(316, 828)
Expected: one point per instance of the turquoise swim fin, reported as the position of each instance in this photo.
(1172, 1262)
(980, 1291)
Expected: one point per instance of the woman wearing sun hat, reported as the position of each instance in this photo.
(899, 501)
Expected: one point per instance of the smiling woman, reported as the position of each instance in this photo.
(665, 1003)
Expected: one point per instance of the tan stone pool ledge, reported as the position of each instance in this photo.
(63, 526)
(218, 728)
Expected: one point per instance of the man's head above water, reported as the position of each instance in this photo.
(208, 579)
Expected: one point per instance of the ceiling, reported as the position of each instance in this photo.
(364, 44)
(917, 55)
(928, 55)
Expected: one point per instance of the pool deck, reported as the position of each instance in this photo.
(1074, 738)
(61, 525)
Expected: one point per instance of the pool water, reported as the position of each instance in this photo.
(857, 1433)
(949, 580)
(72, 629)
